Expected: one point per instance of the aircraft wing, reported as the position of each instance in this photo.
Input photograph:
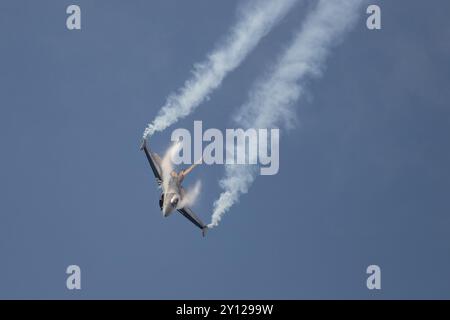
(188, 213)
(154, 160)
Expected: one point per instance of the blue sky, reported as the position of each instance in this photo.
(363, 179)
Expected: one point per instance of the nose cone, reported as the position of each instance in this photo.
(167, 209)
(167, 205)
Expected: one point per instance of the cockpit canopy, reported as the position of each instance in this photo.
(174, 200)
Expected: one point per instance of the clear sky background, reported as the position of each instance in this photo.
(364, 179)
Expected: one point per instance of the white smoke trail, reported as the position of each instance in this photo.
(271, 101)
(255, 21)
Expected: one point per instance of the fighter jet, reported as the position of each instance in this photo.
(172, 191)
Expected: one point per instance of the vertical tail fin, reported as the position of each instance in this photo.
(185, 172)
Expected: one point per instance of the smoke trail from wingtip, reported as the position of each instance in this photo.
(237, 181)
(272, 100)
(255, 21)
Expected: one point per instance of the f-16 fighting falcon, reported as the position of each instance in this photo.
(172, 191)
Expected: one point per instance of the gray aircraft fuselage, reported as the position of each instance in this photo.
(172, 193)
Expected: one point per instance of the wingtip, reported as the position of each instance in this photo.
(204, 230)
(144, 141)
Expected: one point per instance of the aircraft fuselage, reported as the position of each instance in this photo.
(171, 196)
